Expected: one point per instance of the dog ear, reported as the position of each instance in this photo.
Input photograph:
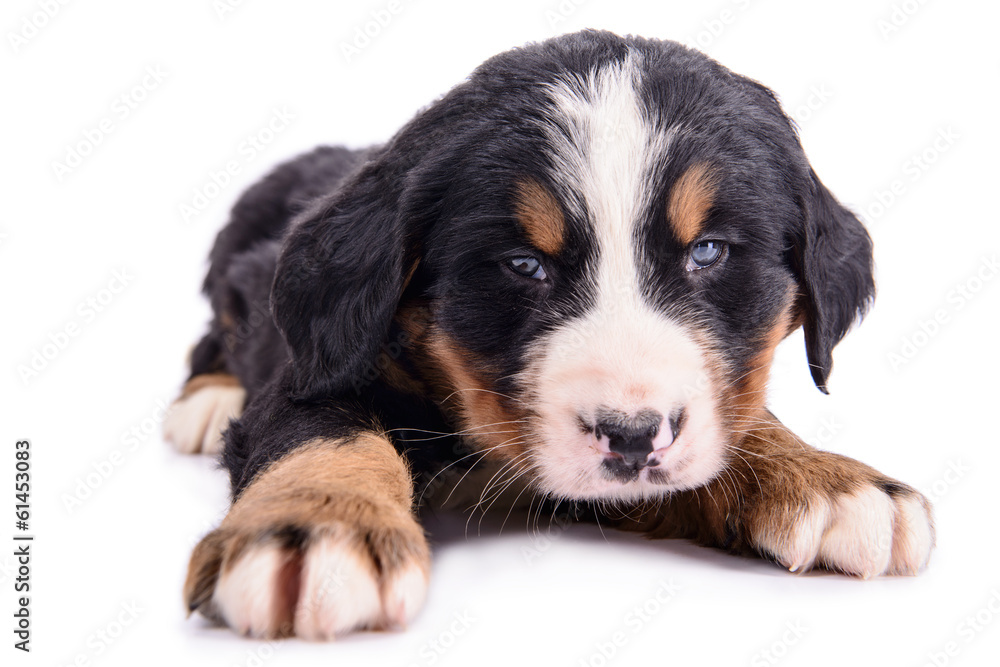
(834, 258)
(338, 283)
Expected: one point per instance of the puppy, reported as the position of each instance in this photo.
(572, 271)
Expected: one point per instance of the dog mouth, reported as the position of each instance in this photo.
(616, 469)
(635, 449)
(631, 457)
(631, 415)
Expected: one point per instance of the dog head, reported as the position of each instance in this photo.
(593, 247)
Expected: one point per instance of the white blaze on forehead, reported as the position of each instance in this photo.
(606, 150)
(623, 353)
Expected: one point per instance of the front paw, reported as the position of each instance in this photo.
(314, 565)
(843, 516)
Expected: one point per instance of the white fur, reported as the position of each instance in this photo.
(865, 533)
(340, 590)
(859, 539)
(913, 537)
(622, 354)
(196, 423)
(604, 146)
(796, 549)
(246, 595)
(403, 595)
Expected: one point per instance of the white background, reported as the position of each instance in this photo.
(867, 100)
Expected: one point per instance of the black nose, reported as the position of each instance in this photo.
(629, 436)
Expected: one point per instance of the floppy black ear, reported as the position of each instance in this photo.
(338, 283)
(835, 268)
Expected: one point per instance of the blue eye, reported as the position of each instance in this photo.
(705, 253)
(528, 267)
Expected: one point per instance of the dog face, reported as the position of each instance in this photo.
(593, 247)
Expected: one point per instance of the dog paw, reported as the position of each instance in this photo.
(298, 567)
(872, 527)
(198, 418)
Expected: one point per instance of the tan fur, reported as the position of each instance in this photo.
(397, 378)
(413, 319)
(750, 400)
(465, 387)
(690, 200)
(540, 216)
(207, 380)
(766, 491)
(358, 491)
(227, 320)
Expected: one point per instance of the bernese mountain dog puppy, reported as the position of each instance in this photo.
(570, 272)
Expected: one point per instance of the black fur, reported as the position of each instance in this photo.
(242, 264)
(426, 219)
(836, 270)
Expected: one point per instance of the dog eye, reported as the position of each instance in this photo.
(704, 254)
(528, 267)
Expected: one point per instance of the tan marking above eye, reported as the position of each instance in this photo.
(691, 198)
(540, 216)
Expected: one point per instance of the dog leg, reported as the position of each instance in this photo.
(801, 507)
(322, 542)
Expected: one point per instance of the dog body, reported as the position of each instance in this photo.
(575, 267)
